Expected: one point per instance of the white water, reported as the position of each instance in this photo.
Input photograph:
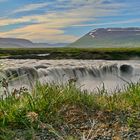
(90, 74)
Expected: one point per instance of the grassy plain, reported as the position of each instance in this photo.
(72, 53)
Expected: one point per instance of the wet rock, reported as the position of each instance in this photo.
(126, 69)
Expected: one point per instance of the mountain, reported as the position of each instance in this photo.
(43, 45)
(14, 42)
(110, 37)
(24, 43)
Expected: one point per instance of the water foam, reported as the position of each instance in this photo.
(88, 74)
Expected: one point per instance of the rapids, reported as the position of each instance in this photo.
(89, 75)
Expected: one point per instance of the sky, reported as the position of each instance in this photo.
(64, 21)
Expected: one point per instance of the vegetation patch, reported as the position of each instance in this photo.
(65, 112)
(71, 53)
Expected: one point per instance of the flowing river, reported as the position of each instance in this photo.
(88, 75)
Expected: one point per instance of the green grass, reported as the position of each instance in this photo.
(58, 111)
(73, 53)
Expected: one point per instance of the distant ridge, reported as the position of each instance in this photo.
(24, 43)
(109, 37)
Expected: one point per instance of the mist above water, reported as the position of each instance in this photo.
(88, 75)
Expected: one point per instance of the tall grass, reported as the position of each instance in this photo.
(46, 108)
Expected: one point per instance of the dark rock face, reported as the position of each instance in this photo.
(126, 69)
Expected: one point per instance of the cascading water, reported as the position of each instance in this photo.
(88, 74)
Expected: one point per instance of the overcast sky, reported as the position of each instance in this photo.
(56, 21)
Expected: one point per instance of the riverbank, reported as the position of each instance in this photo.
(66, 113)
(71, 53)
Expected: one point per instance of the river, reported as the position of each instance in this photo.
(88, 75)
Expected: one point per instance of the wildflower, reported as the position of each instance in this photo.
(32, 116)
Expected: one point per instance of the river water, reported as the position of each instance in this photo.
(88, 75)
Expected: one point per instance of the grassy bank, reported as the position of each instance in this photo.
(66, 113)
(72, 53)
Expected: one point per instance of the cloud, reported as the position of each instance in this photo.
(109, 23)
(107, 2)
(40, 33)
(51, 26)
(30, 7)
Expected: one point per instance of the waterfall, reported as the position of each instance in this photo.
(88, 74)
